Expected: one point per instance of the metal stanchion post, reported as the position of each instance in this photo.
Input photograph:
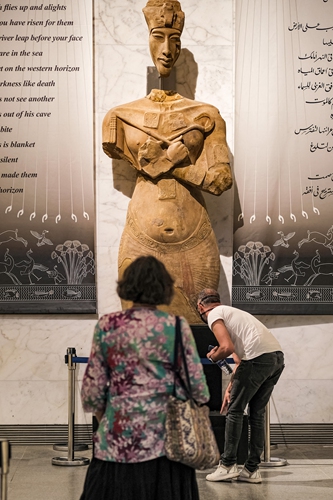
(71, 406)
(70, 460)
(268, 460)
(4, 467)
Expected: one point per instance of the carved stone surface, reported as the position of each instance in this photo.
(178, 148)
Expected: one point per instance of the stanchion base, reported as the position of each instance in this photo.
(70, 463)
(64, 447)
(274, 462)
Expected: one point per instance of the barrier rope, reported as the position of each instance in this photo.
(204, 361)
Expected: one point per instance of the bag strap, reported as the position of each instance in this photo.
(179, 344)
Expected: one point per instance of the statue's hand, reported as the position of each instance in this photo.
(156, 161)
(177, 152)
(150, 151)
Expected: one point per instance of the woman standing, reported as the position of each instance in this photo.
(127, 384)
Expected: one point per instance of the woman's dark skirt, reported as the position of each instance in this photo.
(158, 479)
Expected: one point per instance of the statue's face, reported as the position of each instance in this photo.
(164, 44)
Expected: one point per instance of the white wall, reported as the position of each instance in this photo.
(33, 376)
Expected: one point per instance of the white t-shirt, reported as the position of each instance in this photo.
(250, 337)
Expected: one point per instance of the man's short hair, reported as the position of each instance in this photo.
(208, 296)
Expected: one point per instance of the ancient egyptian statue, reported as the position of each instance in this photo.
(178, 148)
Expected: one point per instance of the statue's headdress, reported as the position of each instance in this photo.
(164, 14)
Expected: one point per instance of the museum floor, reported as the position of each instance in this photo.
(308, 475)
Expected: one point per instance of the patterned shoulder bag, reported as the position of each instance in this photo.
(189, 435)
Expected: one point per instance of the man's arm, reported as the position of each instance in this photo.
(226, 399)
(226, 345)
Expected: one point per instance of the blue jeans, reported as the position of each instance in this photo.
(253, 384)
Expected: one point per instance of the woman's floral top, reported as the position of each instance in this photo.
(129, 378)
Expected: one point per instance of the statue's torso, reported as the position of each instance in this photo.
(165, 209)
(166, 122)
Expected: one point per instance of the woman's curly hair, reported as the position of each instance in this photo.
(146, 281)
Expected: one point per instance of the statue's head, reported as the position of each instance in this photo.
(161, 14)
(165, 22)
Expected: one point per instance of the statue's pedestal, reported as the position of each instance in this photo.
(204, 337)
